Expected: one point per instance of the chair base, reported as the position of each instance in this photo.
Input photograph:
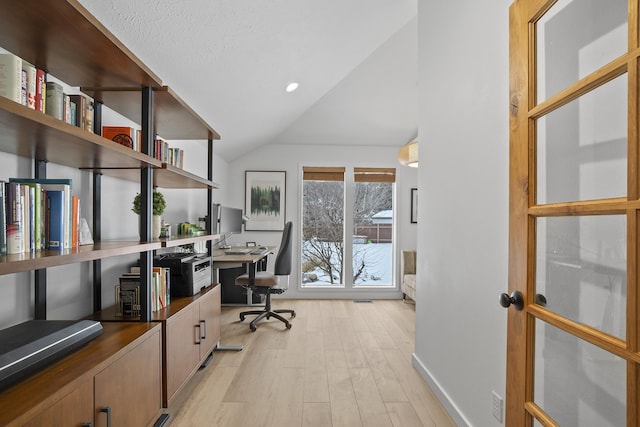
(267, 313)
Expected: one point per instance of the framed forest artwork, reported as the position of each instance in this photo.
(265, 200)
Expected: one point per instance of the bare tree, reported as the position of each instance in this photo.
(323, 227)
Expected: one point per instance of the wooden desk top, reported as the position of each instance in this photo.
(219, 255)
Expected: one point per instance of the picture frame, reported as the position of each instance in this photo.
(414, 206)
(265, 197)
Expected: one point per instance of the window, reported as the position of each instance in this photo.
(334, 201)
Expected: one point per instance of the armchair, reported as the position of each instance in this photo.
(408, 274)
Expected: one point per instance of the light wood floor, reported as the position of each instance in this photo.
(341, 364)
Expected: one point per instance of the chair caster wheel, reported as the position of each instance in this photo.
(242, 318)
(253, 328)
(293, 314)
(288, 325)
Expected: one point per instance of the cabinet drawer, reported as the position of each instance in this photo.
(74, 410)
(130, 387)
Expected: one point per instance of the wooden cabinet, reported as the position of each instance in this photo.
(120, 369)
(191, 330)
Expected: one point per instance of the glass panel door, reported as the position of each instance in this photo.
(574, 245)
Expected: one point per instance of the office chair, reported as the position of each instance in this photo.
(266, 283)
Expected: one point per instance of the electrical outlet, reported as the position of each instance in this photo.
(496, 406)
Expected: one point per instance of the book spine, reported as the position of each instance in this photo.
(3, 220)
(75, 220)
(36, 224)
(81, 105)
(31, 84)
(73, 108)
(11, 77)
(54, 105)
(44, 227)
(41, 91)
(23, 86)
(14, 224)
(88, 114)
(67, 109)
(29, 216)
(55, 202)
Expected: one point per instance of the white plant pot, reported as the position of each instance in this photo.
(156, 225)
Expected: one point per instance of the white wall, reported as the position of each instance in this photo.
(291, 158)
(463, 205)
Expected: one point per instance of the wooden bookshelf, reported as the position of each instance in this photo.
(62, 38)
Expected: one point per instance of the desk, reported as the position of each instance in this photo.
(249, 261)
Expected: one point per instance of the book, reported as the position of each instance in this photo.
(66, 108)
(75, 221)
(31, 74)
(41, 90)
(14, 224)
(55, 209)
(54, 100)
(88, 114)
(28, 195)
(23, 86)
(123, 135)
(11, 77)
(79, 102)
(63, 185)
(73, 113)
(84, 111)
(3, 221)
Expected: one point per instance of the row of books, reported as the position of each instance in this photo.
(25, 84)
(131, 138)
(38, 214)
(169, 155)
(128, 291)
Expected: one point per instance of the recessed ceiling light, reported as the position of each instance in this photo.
(291, 87)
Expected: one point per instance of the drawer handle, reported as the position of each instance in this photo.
(203, 329)
(107, 410)
(86, 425)
(198, 336)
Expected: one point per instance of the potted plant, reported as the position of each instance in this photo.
(159, 205)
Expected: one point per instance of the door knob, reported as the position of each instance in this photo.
(514, 299)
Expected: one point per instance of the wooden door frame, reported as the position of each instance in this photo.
(523, 111)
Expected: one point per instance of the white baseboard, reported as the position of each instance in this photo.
(442, 396)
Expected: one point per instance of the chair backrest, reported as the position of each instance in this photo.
(408, 262)
(282, 265)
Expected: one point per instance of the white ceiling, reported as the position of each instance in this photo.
(355, 60)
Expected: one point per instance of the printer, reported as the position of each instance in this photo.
(189, 273)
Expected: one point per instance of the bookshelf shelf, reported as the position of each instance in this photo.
(64, 39)
(173, 118)
(46, 259)
(29, 133)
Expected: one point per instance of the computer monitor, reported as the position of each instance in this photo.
(229, 220)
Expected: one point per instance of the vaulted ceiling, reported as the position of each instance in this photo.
(355, 61)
